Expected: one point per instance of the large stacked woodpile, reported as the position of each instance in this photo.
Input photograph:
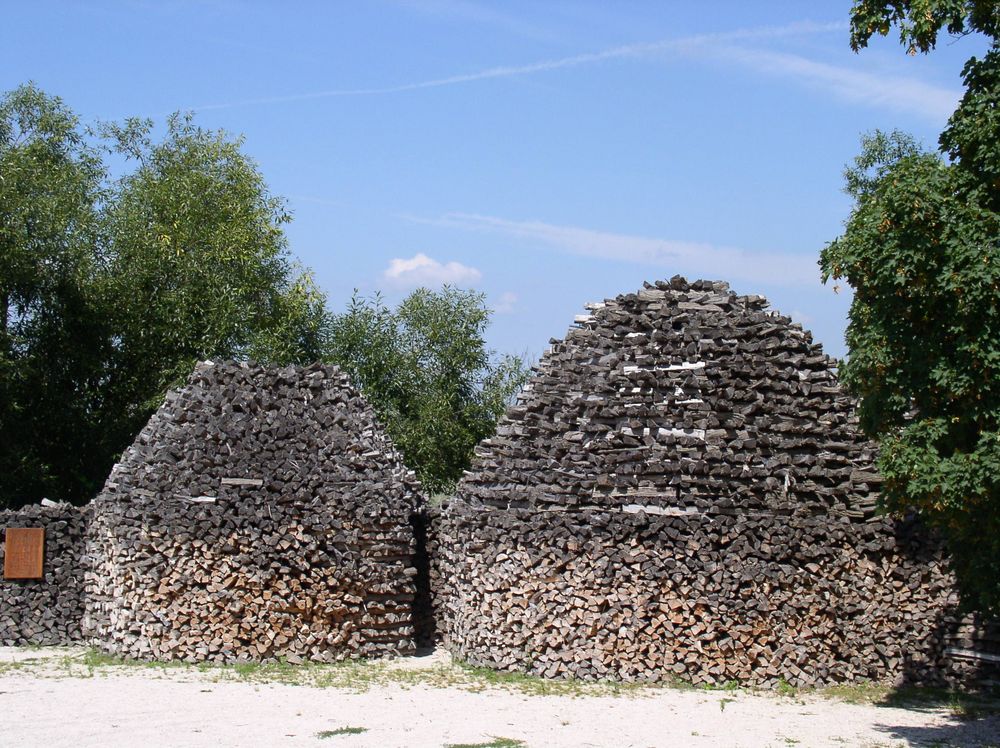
(262, 512)
(682, 490)
(49, 610)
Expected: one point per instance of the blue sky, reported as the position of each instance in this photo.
(545, 153)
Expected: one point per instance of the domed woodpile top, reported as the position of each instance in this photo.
(241, 429)
(682, 397)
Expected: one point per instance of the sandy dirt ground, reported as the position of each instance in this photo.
(43, 703)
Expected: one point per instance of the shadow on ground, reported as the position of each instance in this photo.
(978, 733)
(973, 718)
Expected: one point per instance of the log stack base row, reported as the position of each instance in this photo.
(682, 490)
(707, 599)
(47, 611)
(261, 513)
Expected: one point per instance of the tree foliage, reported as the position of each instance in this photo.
(426, 370)
(921, 249)
(110, 289)
(920, 21)
(50, 327)
(112, 286)
(197, 265)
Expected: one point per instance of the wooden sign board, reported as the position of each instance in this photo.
(24, 553)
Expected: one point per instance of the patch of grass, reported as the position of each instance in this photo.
(360, 675)
(488, 677)
(678, 684)
(10, 667)
(96, 658)
(723, 702)
(729, 686)
(341, 731)
(962, 704)
(279, 671)
(535, 685)
(354, 675)
(98, 662)
(857, 693)
(495, 743)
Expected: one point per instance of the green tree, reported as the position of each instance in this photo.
(110, 290)
(426, 370)
(920, 21)
(52, 334)
(921, 250)
(197, 267)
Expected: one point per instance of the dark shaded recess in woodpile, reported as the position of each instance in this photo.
(682, 490)
(46, 611)
(261, 513)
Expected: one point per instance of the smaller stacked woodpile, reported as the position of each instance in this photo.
(47, 610)
(262, 512)
(682, 491)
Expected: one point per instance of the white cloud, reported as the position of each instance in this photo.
(693, 259)
(505, 304)
(802, 317)
(421, 270)
(857, 86)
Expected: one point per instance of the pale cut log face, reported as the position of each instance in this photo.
(262, 512)
(682, 490)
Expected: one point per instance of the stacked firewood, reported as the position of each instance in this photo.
(261, 513)
(682, 491)
(48, 610)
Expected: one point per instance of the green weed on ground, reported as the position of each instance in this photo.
(354, 675)
(361, 675)
(341, 731)
(10, 667)
(480, 678)
(786, 689)
(495, 743)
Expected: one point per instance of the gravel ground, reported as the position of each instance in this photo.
(56, 698)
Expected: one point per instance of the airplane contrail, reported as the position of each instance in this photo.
(509, 71)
